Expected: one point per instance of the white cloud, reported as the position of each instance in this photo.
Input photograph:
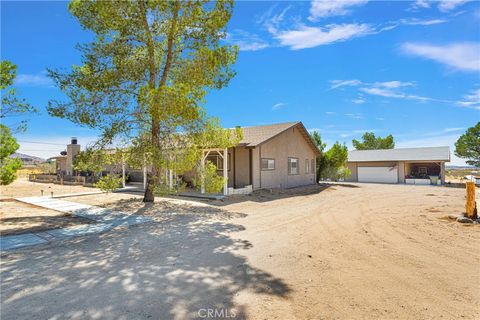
(246, 41)
(34, 80)
(389, 93)
(396, 89)
(471, 100)
(420, 22)
(382, 92)
(393, 84)
(366, 130)
(380, 119)
(328, 8)
(308, 37)
(278, 106)
(453, 129)
(421, 4)
(354, 115)
(462, 56)
(341, 83)
(448, 5)
(358, 101)
(329, 112)
(272, 21)
(443, 5)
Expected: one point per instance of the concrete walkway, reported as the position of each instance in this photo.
(106, 219)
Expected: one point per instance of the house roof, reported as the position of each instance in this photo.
(257, 135)
(401, 154)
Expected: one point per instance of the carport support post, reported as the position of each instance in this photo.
(225, 171)
(442, 173)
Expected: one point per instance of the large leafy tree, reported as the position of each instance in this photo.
(468, 146)
(146, 75)
(333, 162)
(371, 142)
(320, 161)
(8, 166)
(12, 105)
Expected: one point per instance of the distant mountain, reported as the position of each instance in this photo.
(461, 167)
(27, 159)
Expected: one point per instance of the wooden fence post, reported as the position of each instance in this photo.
(470, 207)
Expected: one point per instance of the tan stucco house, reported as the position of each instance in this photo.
(271, 156)
(279, 155)
(402, 165)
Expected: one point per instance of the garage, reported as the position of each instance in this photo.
(404, 165)
(378, 174)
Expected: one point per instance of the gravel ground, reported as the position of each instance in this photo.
(17, 217)
(351, 251)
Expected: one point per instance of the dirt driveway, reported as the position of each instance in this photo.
(342, 252)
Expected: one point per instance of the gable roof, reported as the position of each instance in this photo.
(257, 135)
(401, 154)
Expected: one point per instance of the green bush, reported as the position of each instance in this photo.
(108, 183)
(8, 166)
(213, 182)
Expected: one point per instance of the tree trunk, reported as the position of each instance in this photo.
(149, 195)
(152, 178)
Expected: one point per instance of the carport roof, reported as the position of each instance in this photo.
(401, 154)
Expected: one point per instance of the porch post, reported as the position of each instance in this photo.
(123, 171)
(202, 164)
(170, 179)
(225, 171)
(144, 168)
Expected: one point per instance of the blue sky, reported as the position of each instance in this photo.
(411, 69)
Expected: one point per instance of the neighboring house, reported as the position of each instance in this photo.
(406, 165)
(64, 162)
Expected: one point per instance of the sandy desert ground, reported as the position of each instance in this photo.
(23, 188)
(17, 217)
(359, 251)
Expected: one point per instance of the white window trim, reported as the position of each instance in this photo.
(268, 164)
(219, 161)
(289, 167)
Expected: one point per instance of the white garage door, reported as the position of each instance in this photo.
(378, 174)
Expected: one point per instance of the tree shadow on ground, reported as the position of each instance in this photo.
(265, 195)
(170, 269)
(20, 225)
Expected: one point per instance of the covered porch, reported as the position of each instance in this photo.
(235, 165)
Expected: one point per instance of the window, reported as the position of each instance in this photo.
(313, 168)
(217, 160)
(268, 164)
(293, 166)
(307, 166)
